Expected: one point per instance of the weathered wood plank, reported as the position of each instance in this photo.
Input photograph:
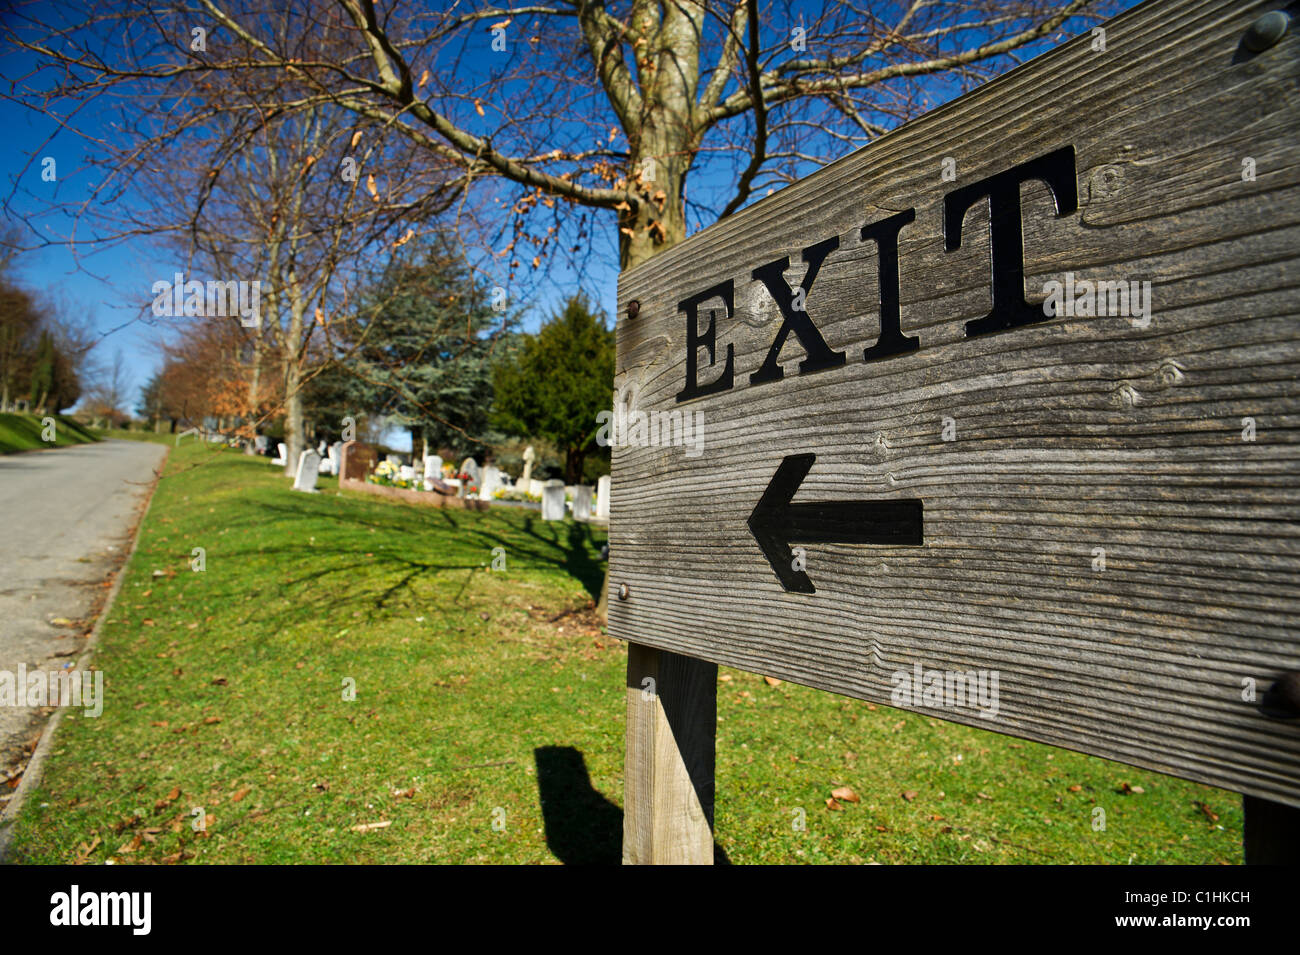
(1068, 435)
(668, 777)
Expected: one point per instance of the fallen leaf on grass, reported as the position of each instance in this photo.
(211, 719)
(130, 846)
(771, 681)
(832, 804)
(84, 850)
(1075, 788)
(846, 794)
(909, 794)
(1210, 813)
(368, 826)
(220, 681)
(241, 793)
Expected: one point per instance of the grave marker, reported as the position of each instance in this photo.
(602, 498)
(553, 501)
(308, 472)
(582, 502)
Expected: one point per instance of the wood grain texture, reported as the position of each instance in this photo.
(668, 776)
(1073, 434)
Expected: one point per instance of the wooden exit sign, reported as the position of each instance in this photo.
(1009, 399)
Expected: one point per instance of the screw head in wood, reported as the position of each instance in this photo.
(1266, 31)
(622, 591)
(633, 308)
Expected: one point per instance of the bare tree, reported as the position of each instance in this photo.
(587, 104)
(109, 395)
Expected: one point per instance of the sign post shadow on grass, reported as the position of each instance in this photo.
(1026, 405)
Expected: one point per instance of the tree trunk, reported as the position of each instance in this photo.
(293, 418)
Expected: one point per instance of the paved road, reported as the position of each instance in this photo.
(65, 517)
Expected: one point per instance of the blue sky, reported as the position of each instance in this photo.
(112, 285)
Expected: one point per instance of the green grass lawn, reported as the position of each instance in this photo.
(22, 432)
(487, 724)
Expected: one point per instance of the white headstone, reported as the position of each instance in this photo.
(335, 448)
(432, 470)
(490, 483)
(582, 502)
(470, 466)
(553, 502)
(535, 486)
(406, 472)
(283, 450)
(602, 498)
(308, 471)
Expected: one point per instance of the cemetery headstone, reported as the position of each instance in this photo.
(283, 455)
(356, 460)
(602, 498)
(308, 471)
(491, 482)
(553, 501)
(529, 457)
(582, 502)
(432, 471)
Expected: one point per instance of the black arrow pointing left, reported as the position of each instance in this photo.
(776, 522)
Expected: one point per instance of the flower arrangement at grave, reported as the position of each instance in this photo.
(388, 474)
(514, 494)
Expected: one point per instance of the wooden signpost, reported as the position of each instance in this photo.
(1014, 390)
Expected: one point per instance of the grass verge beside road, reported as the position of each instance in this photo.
(22, 432)
(487, 724)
